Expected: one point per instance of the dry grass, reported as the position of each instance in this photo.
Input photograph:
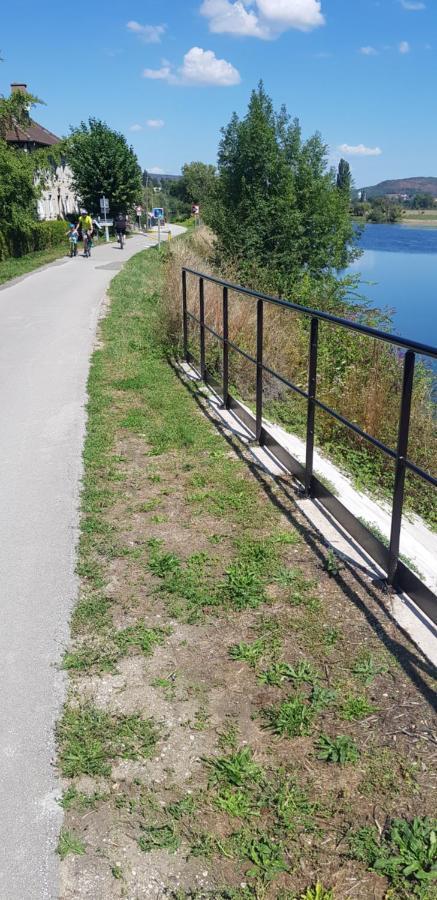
(359, 377)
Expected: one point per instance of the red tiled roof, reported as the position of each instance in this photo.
(31, 134)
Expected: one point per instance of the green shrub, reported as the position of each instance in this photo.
(29, 236)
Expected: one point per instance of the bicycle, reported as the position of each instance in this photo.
(121, 239)
(87, 245)
(73, 248)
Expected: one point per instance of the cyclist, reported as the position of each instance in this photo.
(120, 228)
(86, 227)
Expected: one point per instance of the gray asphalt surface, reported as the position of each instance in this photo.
(47, 330)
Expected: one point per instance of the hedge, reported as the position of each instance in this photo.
(30, 237)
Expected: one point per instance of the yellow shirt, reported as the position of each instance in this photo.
(85, 223)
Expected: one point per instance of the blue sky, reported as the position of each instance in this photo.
(169, 73)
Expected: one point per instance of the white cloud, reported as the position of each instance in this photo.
(199, 67)
(162, 74)
(203, 67)
(155, 170)
(231, 18)
(404, 47)
(359, 150)
(301, 14)
(261, 18)
(155, 123)
(412, 5)
(150, 34)
(136, 127)
(368, 51)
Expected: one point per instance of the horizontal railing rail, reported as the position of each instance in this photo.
(398, 575)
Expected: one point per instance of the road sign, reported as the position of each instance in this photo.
(139, 210)
(104, 204)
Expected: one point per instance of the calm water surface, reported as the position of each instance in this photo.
(399, 270)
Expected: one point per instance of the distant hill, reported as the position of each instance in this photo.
(409, 186)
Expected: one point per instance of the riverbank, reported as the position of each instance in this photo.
(419, 222)
(409, 220)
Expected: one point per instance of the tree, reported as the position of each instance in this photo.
(103, 164)
(277, 213)
(422, 201)
(197, 182)
(18, 192)
(344, 178)
(383, 210)
(19, 187)
(15, 110)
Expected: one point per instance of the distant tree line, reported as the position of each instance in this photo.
(195, 186)
(378, 210)
(390, 209)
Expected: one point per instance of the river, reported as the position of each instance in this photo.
(399, 270)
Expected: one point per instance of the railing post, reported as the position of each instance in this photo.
(225, 324)
(259, 367)
(401, 455)
(311, 408)
(202, 327)
(184, 314)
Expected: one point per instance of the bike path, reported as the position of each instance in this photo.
(48, 325)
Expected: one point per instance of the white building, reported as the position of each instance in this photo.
(57, 198)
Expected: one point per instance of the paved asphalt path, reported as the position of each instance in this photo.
(47, 329)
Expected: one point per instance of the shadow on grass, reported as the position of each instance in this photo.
(414, 665)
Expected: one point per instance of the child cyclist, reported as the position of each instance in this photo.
(73, 237)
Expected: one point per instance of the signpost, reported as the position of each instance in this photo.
(138, 211)
(104, 206)
(158, 215)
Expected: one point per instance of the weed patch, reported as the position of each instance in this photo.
(406, 854)
(250, 653)
(366, 667)
(341, 750)
(292, 718)
(238, 769)
(356, 707)
(158, 837)
(90, 740)
(69, 843)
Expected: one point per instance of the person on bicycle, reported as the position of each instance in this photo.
(120, 227)
(86, 227)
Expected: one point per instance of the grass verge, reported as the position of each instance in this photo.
(14, 267)
(238, 725)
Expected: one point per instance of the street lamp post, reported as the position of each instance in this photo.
(147, 203)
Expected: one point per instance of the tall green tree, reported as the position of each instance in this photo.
(344, 177)
(103, 164)
(197, 182)
(277, 213)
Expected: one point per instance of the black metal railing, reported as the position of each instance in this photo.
(398, 575)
